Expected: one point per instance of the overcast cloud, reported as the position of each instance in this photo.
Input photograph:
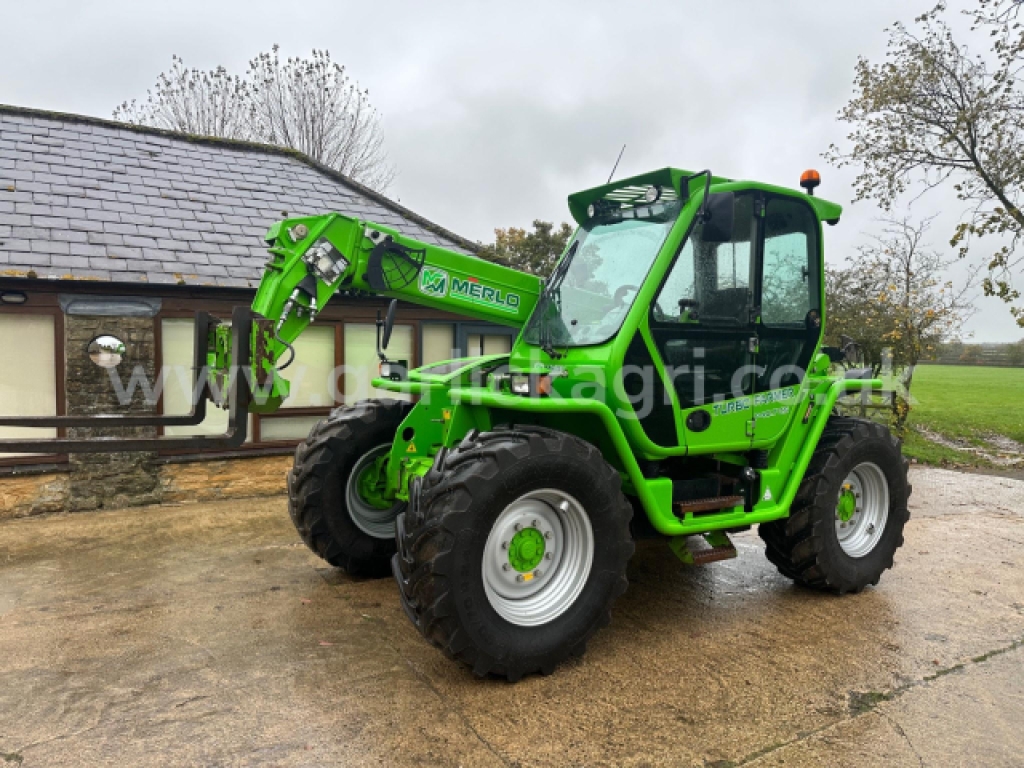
(494, 113)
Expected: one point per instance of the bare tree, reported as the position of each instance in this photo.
(310, 105)
(212, 103)
(894, 296)
(313, 106)
(934, 113)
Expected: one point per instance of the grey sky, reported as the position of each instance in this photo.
(495, 112)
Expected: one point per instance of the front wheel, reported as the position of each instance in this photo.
(513, 549)
(847, 520)
(334, 496)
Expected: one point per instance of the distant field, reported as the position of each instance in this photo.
(969, 406)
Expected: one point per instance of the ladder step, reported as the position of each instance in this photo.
(713, 555)
(707, 505)
(703, 549)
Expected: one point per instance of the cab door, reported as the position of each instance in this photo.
(789, 315)
(702, 324)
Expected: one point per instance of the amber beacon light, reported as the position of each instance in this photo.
(809, 180)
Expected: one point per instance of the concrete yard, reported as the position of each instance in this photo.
(208, 635)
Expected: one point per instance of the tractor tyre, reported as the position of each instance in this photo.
(847, 520)
(324, 499)
(513, 549)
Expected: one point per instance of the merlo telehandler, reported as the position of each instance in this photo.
(668, 380)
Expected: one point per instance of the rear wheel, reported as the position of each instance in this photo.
(334, 487)
(848, 517)
(513, 549)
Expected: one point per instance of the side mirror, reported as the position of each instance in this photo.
(718, 218)
(384, 328)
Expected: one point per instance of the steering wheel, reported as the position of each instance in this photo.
(621, 291)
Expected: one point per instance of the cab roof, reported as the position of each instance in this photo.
(629, 192)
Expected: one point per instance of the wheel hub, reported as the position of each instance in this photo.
(847, 504)
(371, 482)
(367, 507)
(526, 550)
(862, 509)
(537, 557)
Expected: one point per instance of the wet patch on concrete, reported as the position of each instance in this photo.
(208, 634)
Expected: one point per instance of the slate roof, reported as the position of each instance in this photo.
(89, 199)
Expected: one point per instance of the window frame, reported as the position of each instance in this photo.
(337, 317)
(816, 274)
(59, 371)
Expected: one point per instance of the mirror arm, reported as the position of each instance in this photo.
(380, 327)
(705, 213)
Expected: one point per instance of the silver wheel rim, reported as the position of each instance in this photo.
(379, 523)
(859, 535)
(540, 595)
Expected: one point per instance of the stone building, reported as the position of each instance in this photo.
(113, 230)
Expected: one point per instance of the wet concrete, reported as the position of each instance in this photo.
(207, 635)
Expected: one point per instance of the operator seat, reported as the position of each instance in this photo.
(728, 304)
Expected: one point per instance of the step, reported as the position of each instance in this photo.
(703, 549)
(712, 504)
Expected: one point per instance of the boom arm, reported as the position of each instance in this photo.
(314, 258)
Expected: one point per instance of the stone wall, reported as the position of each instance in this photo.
(116, 479)
(33, 493)
(23, 495)
(212, 480)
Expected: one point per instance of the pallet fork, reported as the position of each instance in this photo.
(236, 397)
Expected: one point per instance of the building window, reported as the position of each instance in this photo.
(313, 384)
(287, 428)
(311, 374)
(177, 352)
(438, 342)
(480, 344)
(361, 362)
(28, 386)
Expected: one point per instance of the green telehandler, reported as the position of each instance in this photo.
(668, 380)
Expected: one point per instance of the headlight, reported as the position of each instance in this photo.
(393, 371)
(537, 385)
(652, 194)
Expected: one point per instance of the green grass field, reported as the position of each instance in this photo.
(964, 403)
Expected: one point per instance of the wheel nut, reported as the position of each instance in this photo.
(547, 555)
(518, 526)
(505, 567)
(519, 577)
(535, 523)
(538, 573)
(504, 545)
(547, 534)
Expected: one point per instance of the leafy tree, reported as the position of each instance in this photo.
(1015, 354)
(892, 299)
(310, 105)
(934, 113)
(535, 252)
(971, 354)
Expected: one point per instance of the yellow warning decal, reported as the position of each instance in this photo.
(527, 577)
(411, 448)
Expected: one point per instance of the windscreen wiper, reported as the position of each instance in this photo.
(547, 296)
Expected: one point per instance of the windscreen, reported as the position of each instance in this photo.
(592, 289)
